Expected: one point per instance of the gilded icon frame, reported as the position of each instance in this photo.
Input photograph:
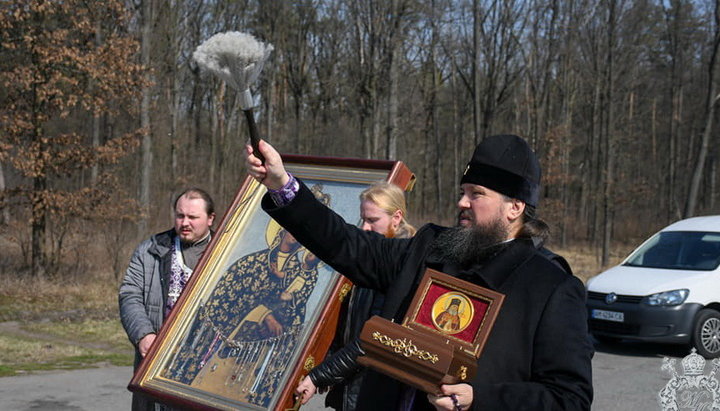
(196, 362)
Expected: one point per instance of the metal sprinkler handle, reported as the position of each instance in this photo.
(246, 103)
(254, 137)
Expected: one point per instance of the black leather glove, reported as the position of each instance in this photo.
(339, 366)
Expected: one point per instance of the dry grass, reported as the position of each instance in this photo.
(102, 333)
(21, 355)
(69, 319)
(585, 260)
(63, 324)
(26, 298)
(20, 350)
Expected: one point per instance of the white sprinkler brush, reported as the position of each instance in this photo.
(237, 58)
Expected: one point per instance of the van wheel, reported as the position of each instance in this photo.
(706, 333)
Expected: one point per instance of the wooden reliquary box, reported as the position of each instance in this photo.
(440, 339)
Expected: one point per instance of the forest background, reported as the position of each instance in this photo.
(105, 117)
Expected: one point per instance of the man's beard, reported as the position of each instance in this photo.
(467, 246)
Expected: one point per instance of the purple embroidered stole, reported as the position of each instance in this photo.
(179, 276)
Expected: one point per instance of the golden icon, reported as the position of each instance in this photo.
(452, 312)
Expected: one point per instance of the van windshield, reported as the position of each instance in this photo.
(685, 250)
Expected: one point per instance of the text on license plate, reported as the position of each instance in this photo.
(608, 315)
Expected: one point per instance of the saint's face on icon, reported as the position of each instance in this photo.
(452, 312)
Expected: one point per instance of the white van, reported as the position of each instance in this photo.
(667, 290)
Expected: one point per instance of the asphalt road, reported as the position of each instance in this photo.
(626, 377)
(96, 389)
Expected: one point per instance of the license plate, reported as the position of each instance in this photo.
(608, 315)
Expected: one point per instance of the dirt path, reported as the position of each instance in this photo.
(14, 328)
(101, 388)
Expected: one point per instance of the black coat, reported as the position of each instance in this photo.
(538, 355)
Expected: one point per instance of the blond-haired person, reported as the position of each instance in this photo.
(382, 210)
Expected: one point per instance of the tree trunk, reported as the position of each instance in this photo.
(232, 140)
(146, 148)
(391, 129)
(375, 119)
(94, 170)
(38, 196)
(458, 131)
(39, 227)
(174, 88)
(364, 90)
(710, 108)
(297, 139)
(5, 209)
(477, 108)
(608, 198)
(195, 109)
(396, 29)
(440, 146)
(217, 125)
(592, 169)
(174, 114)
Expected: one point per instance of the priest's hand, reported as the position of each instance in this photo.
(272, 172)
(454, 397)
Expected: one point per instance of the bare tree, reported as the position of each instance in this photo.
(147, 13)
(366, 72)
(397, 27)
(711, 103)
(4, 206)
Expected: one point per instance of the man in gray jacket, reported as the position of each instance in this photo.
(158, 271)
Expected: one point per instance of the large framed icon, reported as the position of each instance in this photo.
(259, 310)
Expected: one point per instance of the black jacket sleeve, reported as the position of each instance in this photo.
(339, 366)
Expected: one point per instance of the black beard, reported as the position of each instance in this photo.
(466, 246)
